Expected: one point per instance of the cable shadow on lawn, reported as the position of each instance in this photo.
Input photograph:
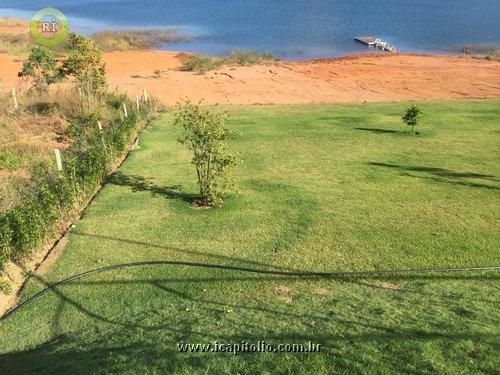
(296, 209)
(236, 260)
(69, 352)
(140, 183)
(162, 283)
(441, 175)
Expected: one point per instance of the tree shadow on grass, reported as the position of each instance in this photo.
(436, 171)
(379, 131)
(140, 183)
(441, 175)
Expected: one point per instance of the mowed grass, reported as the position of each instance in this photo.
(323, 188)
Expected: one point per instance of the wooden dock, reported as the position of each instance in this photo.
(379, 43)
(368, 40)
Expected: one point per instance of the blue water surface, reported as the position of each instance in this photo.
(293, 29)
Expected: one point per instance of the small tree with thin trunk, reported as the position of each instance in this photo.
(41, 68)
(205, 134)
(85, 63)
(412, 116)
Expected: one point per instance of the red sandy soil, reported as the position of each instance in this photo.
(381, 77)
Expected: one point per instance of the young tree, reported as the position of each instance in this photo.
(412, 116)
(205, 134)
(41, 68)
(86, 65)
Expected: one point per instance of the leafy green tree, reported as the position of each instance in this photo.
(205, 134)
(412, 116)
(41, 68)
(85, 63)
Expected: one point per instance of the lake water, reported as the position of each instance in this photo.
(293, 29)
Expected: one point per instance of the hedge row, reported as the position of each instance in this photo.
(51, 197)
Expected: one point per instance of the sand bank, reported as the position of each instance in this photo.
(350, 79)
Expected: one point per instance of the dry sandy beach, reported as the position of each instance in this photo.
(350, 79)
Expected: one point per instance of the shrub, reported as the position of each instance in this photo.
(51, 196)
(206, 135)
(5, 287)
(83, 125)
(202, 64)
(245, 58)
(488, 52)
(412, 116)
(6, 235)
(125, 40)
(116, 100)
(41, 68)
(9, 159)
(85, 63)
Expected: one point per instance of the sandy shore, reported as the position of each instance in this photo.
(350, 79)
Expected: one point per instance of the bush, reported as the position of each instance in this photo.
(206, 135)
(85, 63)
(5, 287)
(488, 52)
(202, 64)
(411, 116)
(51, 196)
(126, 40)
(41, 68)
(10, 159)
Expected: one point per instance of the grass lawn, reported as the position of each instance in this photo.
(325, 188)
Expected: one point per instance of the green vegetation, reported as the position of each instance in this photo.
(17, 43)
(487, 52)
(202, 64)
(41, 68)
(46, 198)
(11, 159)
(137, 39)
(205, 134)
(412, 116)
(86, 65)
(330, 187)
(5, 287)
(50, 197)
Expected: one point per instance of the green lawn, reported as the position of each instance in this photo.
(325, 188)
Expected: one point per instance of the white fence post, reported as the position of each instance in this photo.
(125, 110)
(14, 97)
(58, 159)
(137, 102)
(145, 96)
(99, 125)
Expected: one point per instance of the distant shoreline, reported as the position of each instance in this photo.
(171, 36)
(361, 77)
